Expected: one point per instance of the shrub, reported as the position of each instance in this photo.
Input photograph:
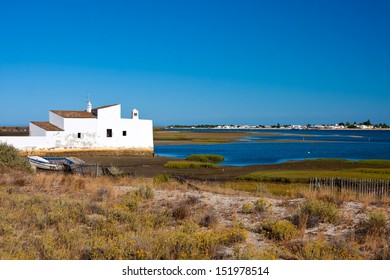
(115, 171)
(192, 200)
(131, 204)
(9, 157)
(261, 206)
(322, 250)
(102, 194)
(209, 220)
(181, 211)
(313, 212)
(145, 192)
(233, 235)
(279, 230)
(247, 208)
(206, 158)
(375, 224)
(161, 178)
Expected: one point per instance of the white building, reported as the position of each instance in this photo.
(98, 128)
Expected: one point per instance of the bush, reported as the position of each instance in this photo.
(9, 157)
(247, 208)
(102, 194)
(145, 192)
(206, 158)
(314, 212)
(375, 224)
(162, 178)
(235, 234)
(261, 206)
(181, 211)
(321, 250)
(209, 220)
(115, 171)
(279, 230)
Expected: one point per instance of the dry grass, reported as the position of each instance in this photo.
(55, 216)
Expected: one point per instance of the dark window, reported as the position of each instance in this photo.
(109, 133)
(78, 135)
(135, 114)
(124, 133)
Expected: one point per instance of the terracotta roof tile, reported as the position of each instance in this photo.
(74, 114)
(47, 126)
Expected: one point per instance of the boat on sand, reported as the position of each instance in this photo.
(54, 164)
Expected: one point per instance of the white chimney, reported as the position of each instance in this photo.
(135, 114)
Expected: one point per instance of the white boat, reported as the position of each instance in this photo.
(42, 163)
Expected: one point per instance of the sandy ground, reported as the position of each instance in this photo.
(228, 209)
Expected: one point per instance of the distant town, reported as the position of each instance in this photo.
(339, 126)
(23, 130)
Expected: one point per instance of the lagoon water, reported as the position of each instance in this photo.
(276, 146)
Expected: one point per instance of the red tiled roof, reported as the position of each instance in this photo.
(47, 126)
(74, 114)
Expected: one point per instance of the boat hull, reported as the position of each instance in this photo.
(42, 163)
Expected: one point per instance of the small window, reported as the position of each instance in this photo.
(124, 133)
(79, 135)
(109, 133)
(135, 114)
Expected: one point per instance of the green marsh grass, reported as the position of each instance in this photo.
(303, 176)
(206, 158)
(190, 164)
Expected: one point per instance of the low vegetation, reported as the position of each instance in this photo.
(197, 137)
(50, 216)
(10, 158)
(196, 161)
(190, 164)
(206, 158)
(315, 211)
(304, 176)
(55, 216)
(279, 230)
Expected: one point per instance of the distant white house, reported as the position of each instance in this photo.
(95, 128)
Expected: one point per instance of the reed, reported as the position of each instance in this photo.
(304, 176)
(206, 158)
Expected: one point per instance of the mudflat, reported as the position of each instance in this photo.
(142, 166)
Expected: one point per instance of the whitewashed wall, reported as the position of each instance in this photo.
(30, 142)
(36, 130)
(56, 120)
(139, 133)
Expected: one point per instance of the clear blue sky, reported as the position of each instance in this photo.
(197, 61)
